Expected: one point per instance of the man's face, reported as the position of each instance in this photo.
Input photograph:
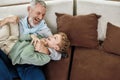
(54, 40)
(36, 14)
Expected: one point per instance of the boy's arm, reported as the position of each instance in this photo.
(12, 19)
(28, 37)
(38, 46)
(24, 37)
(29, 56)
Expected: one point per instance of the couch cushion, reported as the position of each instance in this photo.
(81, 29)
(104, 8)
(93, 64)
(14, 29)
(4, 34)
(112, 41)
(8, 30)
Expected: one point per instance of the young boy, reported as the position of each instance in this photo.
(23, 52)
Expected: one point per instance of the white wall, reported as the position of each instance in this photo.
(10, 2)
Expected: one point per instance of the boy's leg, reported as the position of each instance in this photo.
(30, 72)
(8, 64)
(4, 72)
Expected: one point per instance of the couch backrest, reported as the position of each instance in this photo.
(109, 11)
(15, 7)
(61, 6)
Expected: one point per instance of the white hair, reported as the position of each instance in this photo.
(34, 2)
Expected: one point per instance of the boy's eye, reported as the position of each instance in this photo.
(55, 38)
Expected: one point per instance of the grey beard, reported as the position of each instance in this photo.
(31, 22)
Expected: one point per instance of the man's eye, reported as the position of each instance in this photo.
(38, 13)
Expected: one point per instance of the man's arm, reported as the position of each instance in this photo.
(12, 19)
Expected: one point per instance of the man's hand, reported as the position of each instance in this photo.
(40, 47)
(12, 19)
(35, 39)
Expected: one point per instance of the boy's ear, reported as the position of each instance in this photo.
(57, 47)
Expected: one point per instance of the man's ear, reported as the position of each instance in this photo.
(28, 8)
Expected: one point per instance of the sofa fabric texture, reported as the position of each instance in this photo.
(81, 29)
(5, 33)
(94, 64)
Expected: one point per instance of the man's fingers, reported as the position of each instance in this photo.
(35, 42)
(17, 20)
(32, 42)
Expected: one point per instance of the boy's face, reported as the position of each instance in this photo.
(53, 41)
(36, 14)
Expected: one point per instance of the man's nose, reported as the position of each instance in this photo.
(40, 17)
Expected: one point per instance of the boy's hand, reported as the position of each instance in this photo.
(40, 47)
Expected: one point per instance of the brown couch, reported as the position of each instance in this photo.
(91, 59)
(86, 64)
(95, 48)
(94, 64)
(87, 59)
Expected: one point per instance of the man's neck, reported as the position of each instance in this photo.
(29, 23)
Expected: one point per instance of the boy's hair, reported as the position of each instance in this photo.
(34, 2)
(65, 43)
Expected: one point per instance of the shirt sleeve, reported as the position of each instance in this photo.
(54, 55)
(25, 37)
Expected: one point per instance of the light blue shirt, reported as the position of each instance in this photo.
(40, 29)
